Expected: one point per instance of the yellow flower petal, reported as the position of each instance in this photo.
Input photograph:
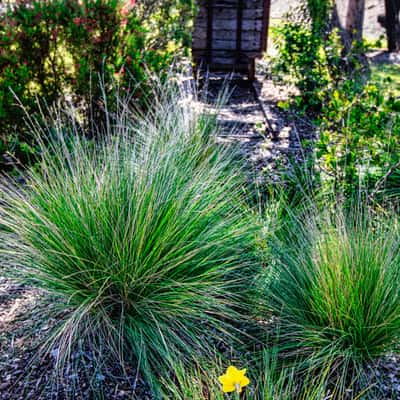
(227, 388)
(245, 381)
(224, 379)
(234, 373)
(231, 370)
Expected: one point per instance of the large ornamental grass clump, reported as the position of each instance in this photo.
(144, 237)
(335, 289)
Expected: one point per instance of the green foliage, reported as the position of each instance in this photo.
(359, 141)
(269, 380)
(299, 61)
(334, 287)
(144, 237)
(300, 42)
(57, 48)
(318, 11)
(313, 55)
(356, 117)
(388, 76)
(301, 58)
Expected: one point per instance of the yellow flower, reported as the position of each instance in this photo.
(233, 380)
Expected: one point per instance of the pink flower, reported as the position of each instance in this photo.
(126, 9)
(120, 73)
(78, 21)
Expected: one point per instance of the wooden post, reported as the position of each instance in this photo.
(392, 24)
(252, 69)
(209, 30)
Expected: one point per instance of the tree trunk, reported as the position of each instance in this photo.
(347, 36)
(392, 24)
(337, 22)
(355, 18)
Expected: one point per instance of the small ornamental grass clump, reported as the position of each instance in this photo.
(145, 237)
(335, 289)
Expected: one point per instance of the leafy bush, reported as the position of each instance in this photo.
(57, 48)
(316, 55)
(300, 63)
(359, 140)
(334, 288)
(144, 237)
(356, 117)
(309, 54)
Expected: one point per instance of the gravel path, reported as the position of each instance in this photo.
(268, 137)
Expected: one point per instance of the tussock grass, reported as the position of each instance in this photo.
(144, 237)
(334, 287)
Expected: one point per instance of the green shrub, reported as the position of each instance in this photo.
(144, 237)
(356, 116)
(309, 54)
(315, 56)
(300, 63)
(334, 287)
(359, 140)
(56, 49)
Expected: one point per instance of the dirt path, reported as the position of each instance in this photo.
(268, 137)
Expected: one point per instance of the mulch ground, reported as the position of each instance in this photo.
(25, 321)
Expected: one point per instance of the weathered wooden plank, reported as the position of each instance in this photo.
(199, 43)
(246, 35)
(225, 53)
(224, 63)
(246, 45)
(231, 45)
(228, 45)
(255, 13)
(230, 13)
(227, 35)
(225, 24)
(250, 4)
(230, 61)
